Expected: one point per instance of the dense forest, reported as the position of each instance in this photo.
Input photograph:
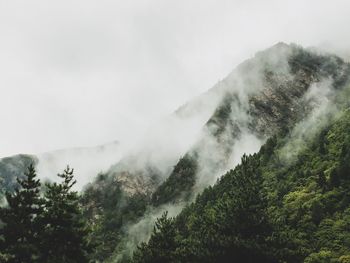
(267, 209)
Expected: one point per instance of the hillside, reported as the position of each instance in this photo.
(272, 207)
(277, 90)
(264, 95)
(253, 170)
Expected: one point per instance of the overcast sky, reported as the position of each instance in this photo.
(82, 72)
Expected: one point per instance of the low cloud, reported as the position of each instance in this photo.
(91, 71)
(320, 97)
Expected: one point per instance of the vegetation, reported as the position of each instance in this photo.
(320, 65)
(179, 184)
(270, 208)
(109, 209)
(48, 228)
(267, 209)
(12, 168)
(290, 202)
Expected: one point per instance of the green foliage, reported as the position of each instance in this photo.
(221, 117)
(43, 229)
(21, 229)
(268, 210)
(108, 210)
(323, 66)
(64, 223)
(12, 168)
(224, 222)
(180, 182)
(160, 247)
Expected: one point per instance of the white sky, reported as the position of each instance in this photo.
(83, 72)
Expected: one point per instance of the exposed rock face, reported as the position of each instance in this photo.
(282, 102)
(263, 96)
(267, 94)
(137, 183)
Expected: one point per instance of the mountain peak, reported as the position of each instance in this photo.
(280, 44)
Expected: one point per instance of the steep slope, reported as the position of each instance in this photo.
(155, 153)
(156, 149)
(285, 95)
(264, 95)
(268, 94)
(273, 207)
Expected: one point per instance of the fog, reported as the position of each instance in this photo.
(219, 143)
(86, 162)
(321, 97)
(83, 73)
(76, 74)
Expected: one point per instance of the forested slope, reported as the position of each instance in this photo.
(283, 88)
(289, 202)
(270, 208)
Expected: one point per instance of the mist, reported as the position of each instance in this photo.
(91, 72)
(216, 146)
(219, 147)
(150, 74)
(322, 98)
(86, 162)
(95, 72)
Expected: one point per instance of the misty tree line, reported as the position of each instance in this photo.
(43, 227)
(266, 209)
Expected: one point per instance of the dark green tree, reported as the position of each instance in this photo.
(21, 230)
(180, 182)
(238, 218)
(65, 229)
(161, 244)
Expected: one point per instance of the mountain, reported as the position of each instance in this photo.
(157, 148)
(263, 96)
(289, 202)
(286, 111)
(87, 162)
(270, 207)
(271, 94)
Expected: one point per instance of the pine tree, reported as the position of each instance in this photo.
(161, 244)
(21, 230)
(65, 229)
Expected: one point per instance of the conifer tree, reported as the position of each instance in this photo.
(65, 229)
(20, 231)
(161, 244)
